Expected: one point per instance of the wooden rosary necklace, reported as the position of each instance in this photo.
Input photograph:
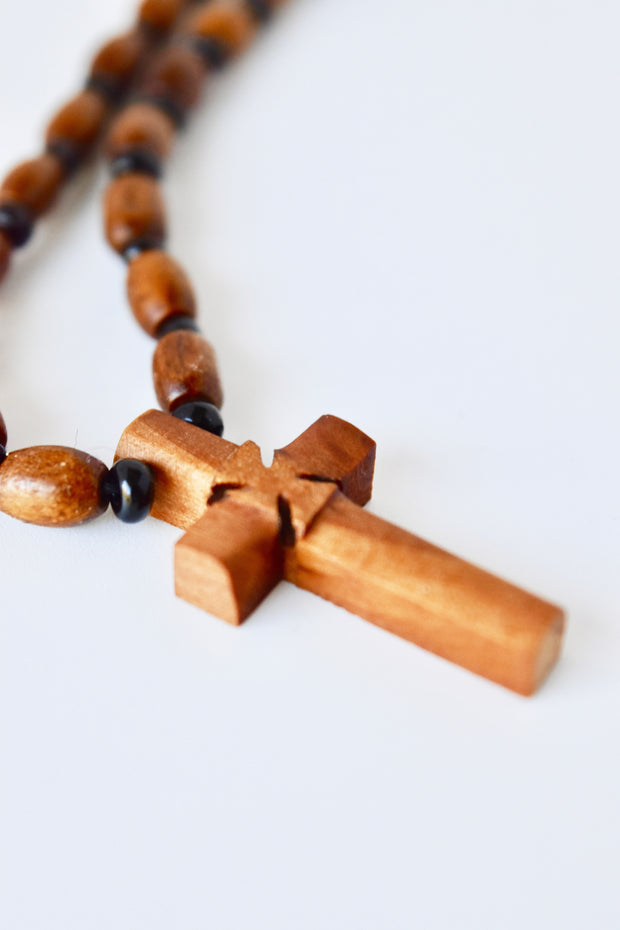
(247, 526)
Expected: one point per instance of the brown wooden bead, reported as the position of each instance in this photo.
(184, 368)
(6, 250)
(80, 121)
(3, 435)
(119, 58)
(176, 74)
(228, 22)
(51, 486)
(133, 210)
(158, 289)
(141, 126)
(159, 14)
(34, 183)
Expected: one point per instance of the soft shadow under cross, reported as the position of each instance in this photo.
(249, 526)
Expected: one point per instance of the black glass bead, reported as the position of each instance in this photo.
(16, 223)
(166, 105)
(214, 54)
(109, 88)
(173, 323)
(68, 153)
(129, 487)
(2, 454)
(137, 161)
(138, 246)
(260, 10)
(200, 413)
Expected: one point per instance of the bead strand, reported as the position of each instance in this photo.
(56, 485)
(30, 189)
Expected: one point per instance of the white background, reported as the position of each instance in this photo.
(406, 214)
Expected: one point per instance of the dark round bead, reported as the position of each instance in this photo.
(68, 153)
(136, 161)
(200, 413)
(16, 223)
(260, 10)
(129, 487)
(2, 454)
(214, 54)
(138, 246)
(173, 323)
(166, 105)
(108, 87)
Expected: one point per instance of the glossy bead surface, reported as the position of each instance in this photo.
(175, 75)
(6, 250)
(133, 211)
(34, 183)
(16, 223)
(136, 162)
(129, 488)
(51, 486)
(144, 127)
(185, 369)
(80, 121)
(175, 323)
(201, 414)
(158, 289)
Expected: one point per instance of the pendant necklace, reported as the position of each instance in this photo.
(247, 526)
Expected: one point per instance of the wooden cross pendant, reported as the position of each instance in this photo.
(249, 526)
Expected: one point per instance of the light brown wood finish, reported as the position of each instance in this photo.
(160, 14)
(117, 60)
(133, 209)
(301, 519)
(34, 183)
(158, 289)
(184, 368)
(141, 126)
(176, 74)
(51, 486)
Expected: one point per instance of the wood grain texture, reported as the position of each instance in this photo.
(177, 74)
(133, 209)
(51, 486)
(80, 121)
(427, 596)
(293, 520)
(227, 21)
(6, 250)
(34, 183)
(185, 368)
(158, 289)
(141, 126)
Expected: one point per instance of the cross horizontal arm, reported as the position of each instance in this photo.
(427, 596)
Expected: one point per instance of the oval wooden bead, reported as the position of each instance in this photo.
(141, 126)
(177, 75)
(225, 21)
(159, 14)
(184, 368)
(3, 435)
(34, 183)
(119, 58)
(51, 486)
(80, 121)
(6, 250)
(158, 289)
(133, 209)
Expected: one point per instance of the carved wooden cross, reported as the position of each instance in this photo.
(249, 526)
